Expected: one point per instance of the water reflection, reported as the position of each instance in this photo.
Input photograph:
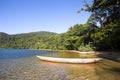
(67, 54)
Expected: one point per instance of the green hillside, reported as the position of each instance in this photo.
(33, 40)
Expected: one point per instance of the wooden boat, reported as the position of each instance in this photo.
(70, 60)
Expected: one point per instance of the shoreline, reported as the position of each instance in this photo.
(111, 55)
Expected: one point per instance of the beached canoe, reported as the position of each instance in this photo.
(70, 60)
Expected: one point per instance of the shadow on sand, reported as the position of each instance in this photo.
(115, 56)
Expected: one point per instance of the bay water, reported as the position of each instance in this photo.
(22, 64)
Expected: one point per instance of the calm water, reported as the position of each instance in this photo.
(16, 64)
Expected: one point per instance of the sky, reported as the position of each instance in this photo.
(23, 16)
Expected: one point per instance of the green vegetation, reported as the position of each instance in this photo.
(83, 37)
(34, 40)
(86, 48)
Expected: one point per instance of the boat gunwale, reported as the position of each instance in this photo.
(69, 60)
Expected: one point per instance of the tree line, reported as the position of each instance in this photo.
(84, 37)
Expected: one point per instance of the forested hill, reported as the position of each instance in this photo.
(83, 37)
(33, 40)
(3, 35)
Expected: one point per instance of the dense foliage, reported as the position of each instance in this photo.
(106, 13)
(34, 40)
(83, 37)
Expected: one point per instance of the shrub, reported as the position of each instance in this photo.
(86, 48)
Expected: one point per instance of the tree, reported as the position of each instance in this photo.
(104, 11)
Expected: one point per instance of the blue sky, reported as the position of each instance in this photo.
(22, 16)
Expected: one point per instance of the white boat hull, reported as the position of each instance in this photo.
(70, 60)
